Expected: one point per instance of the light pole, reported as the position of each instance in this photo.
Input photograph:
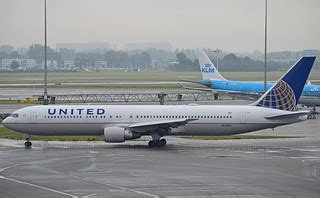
(45, 93)
(265, 45)
(217, 51)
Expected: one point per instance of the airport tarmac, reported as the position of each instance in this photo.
(184, 168)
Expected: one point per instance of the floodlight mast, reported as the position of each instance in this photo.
(217, 51)
(265, 45)
(45, 93)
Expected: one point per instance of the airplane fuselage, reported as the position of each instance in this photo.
(310, 95)
(93, 119)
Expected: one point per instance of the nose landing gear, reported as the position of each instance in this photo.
(27, 144)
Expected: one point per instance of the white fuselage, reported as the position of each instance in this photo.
(92, 119)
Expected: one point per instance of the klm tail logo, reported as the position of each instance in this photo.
(207, 68)
(280, 97)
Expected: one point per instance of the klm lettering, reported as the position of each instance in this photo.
(207, 70)
(76, 111)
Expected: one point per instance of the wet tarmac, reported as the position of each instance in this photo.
(185, 168)
(287, 167)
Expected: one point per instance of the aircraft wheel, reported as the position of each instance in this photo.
(28, 145)
(157, 143)
(152, 143)
(162, 142)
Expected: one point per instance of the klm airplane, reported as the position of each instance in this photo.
(217, 83)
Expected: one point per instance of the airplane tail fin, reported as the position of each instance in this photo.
(286, 92)
(208, 70)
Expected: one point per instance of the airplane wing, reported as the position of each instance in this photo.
(235, 94)
(239, 94)
(195, 82)
(196, 88)
(162, 127)
(287, 115)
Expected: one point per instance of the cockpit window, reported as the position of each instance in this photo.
(15, 115)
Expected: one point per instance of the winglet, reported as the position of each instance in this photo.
(286, 92)
(207, 68)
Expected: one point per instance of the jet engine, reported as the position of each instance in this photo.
(118, 134)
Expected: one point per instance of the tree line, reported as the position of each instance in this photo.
(151, 59)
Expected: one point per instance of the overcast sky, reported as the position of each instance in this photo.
(231, 25)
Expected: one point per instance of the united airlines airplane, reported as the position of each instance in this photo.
(118, 123)
(216, 82)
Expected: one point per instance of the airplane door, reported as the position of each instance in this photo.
(243, 117)
(33, 117)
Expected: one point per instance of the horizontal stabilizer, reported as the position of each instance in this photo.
(288, 115)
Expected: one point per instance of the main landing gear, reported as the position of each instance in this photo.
(156, 141)
(27, 144)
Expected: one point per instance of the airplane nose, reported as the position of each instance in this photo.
(5, 122)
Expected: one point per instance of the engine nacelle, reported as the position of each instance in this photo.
(118, 134)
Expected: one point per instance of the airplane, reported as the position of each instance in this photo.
(215, 82)
(118, 123)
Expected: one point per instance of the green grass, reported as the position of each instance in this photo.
(9, 134)
(238, 137)
(107, 86)
(10, 101)
(69, 77)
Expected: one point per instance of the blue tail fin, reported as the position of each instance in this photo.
(286, 92)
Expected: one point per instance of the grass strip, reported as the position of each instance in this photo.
(9, 134)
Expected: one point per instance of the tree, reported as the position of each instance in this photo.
(36, 51)
(15, 54)
(185, 64)
(14, 65)
(6, 48)
(66, 54)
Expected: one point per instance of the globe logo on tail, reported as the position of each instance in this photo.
(280, 97)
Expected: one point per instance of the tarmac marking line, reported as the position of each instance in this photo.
(35, 185)
(119, 187)
(87, 196)
(38, 186)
